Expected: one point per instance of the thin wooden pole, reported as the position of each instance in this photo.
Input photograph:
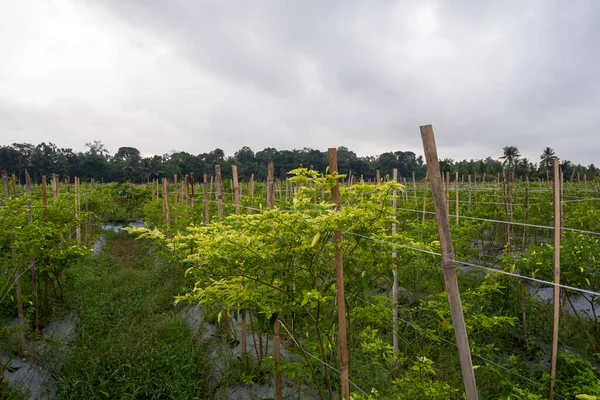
(193, 190)
(219, 190)
(457, 199)
(175, 199)
(236, 188)
(395, 282)
(378, 177)
(205, 187)
(44, 195)
(77, 211)
(556, 298)
(251, 186)
(5, 184)
(425, 195)
(165, 195)
(415, 194)
(270, 186)
(187, 190)
(448, 263)
(447, 192)
(34, 289)
(277, 323)
(339, 284)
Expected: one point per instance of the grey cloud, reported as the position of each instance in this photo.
(361, 74)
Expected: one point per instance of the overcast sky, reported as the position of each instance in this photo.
(196, 75)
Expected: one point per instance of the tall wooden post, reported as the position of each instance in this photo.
(44, 196)
(457, 197)
(276, 325)
(236, 188)
(34, 289)
(395, 282)
(556, 297)
(187, 190)
(205, 187)
(251, 186)
(448, 263)
(175, 199)
(77, 210)
(165, 195)
(447, 192)
(5, 184)
(219, 190)
(270, 185)
(193, 194)
(415, 194)
(339, 284)
(425, 195)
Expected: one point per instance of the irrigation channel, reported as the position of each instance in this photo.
(232, 289)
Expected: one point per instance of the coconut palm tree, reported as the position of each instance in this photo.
(510, 157)
(548, 156)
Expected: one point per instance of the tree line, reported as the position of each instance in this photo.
(127, 164)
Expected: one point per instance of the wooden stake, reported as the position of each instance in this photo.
(236, 188)
(205, 186)
(270, 186)
(44, 196)
(395, 282)
(457, 199)
(78, 210)
(425, 195)
(14, 186)
(556, 297)
(175, 199)
(5, 184)
(34, 289)
(165, 195)
(339, 284)
(193, 184)
(219, 190)
(415, 194)
(378, 177)
(251, 186)
(448, 264)
(186, 185)
(447, 192)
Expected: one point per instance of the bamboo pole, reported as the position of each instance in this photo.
(339, 284)
(448, 263)
(556, 297)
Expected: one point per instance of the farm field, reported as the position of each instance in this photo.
(231, 289)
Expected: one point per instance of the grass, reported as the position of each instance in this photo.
(131, 344)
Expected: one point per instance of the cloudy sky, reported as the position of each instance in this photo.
(195, 75)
